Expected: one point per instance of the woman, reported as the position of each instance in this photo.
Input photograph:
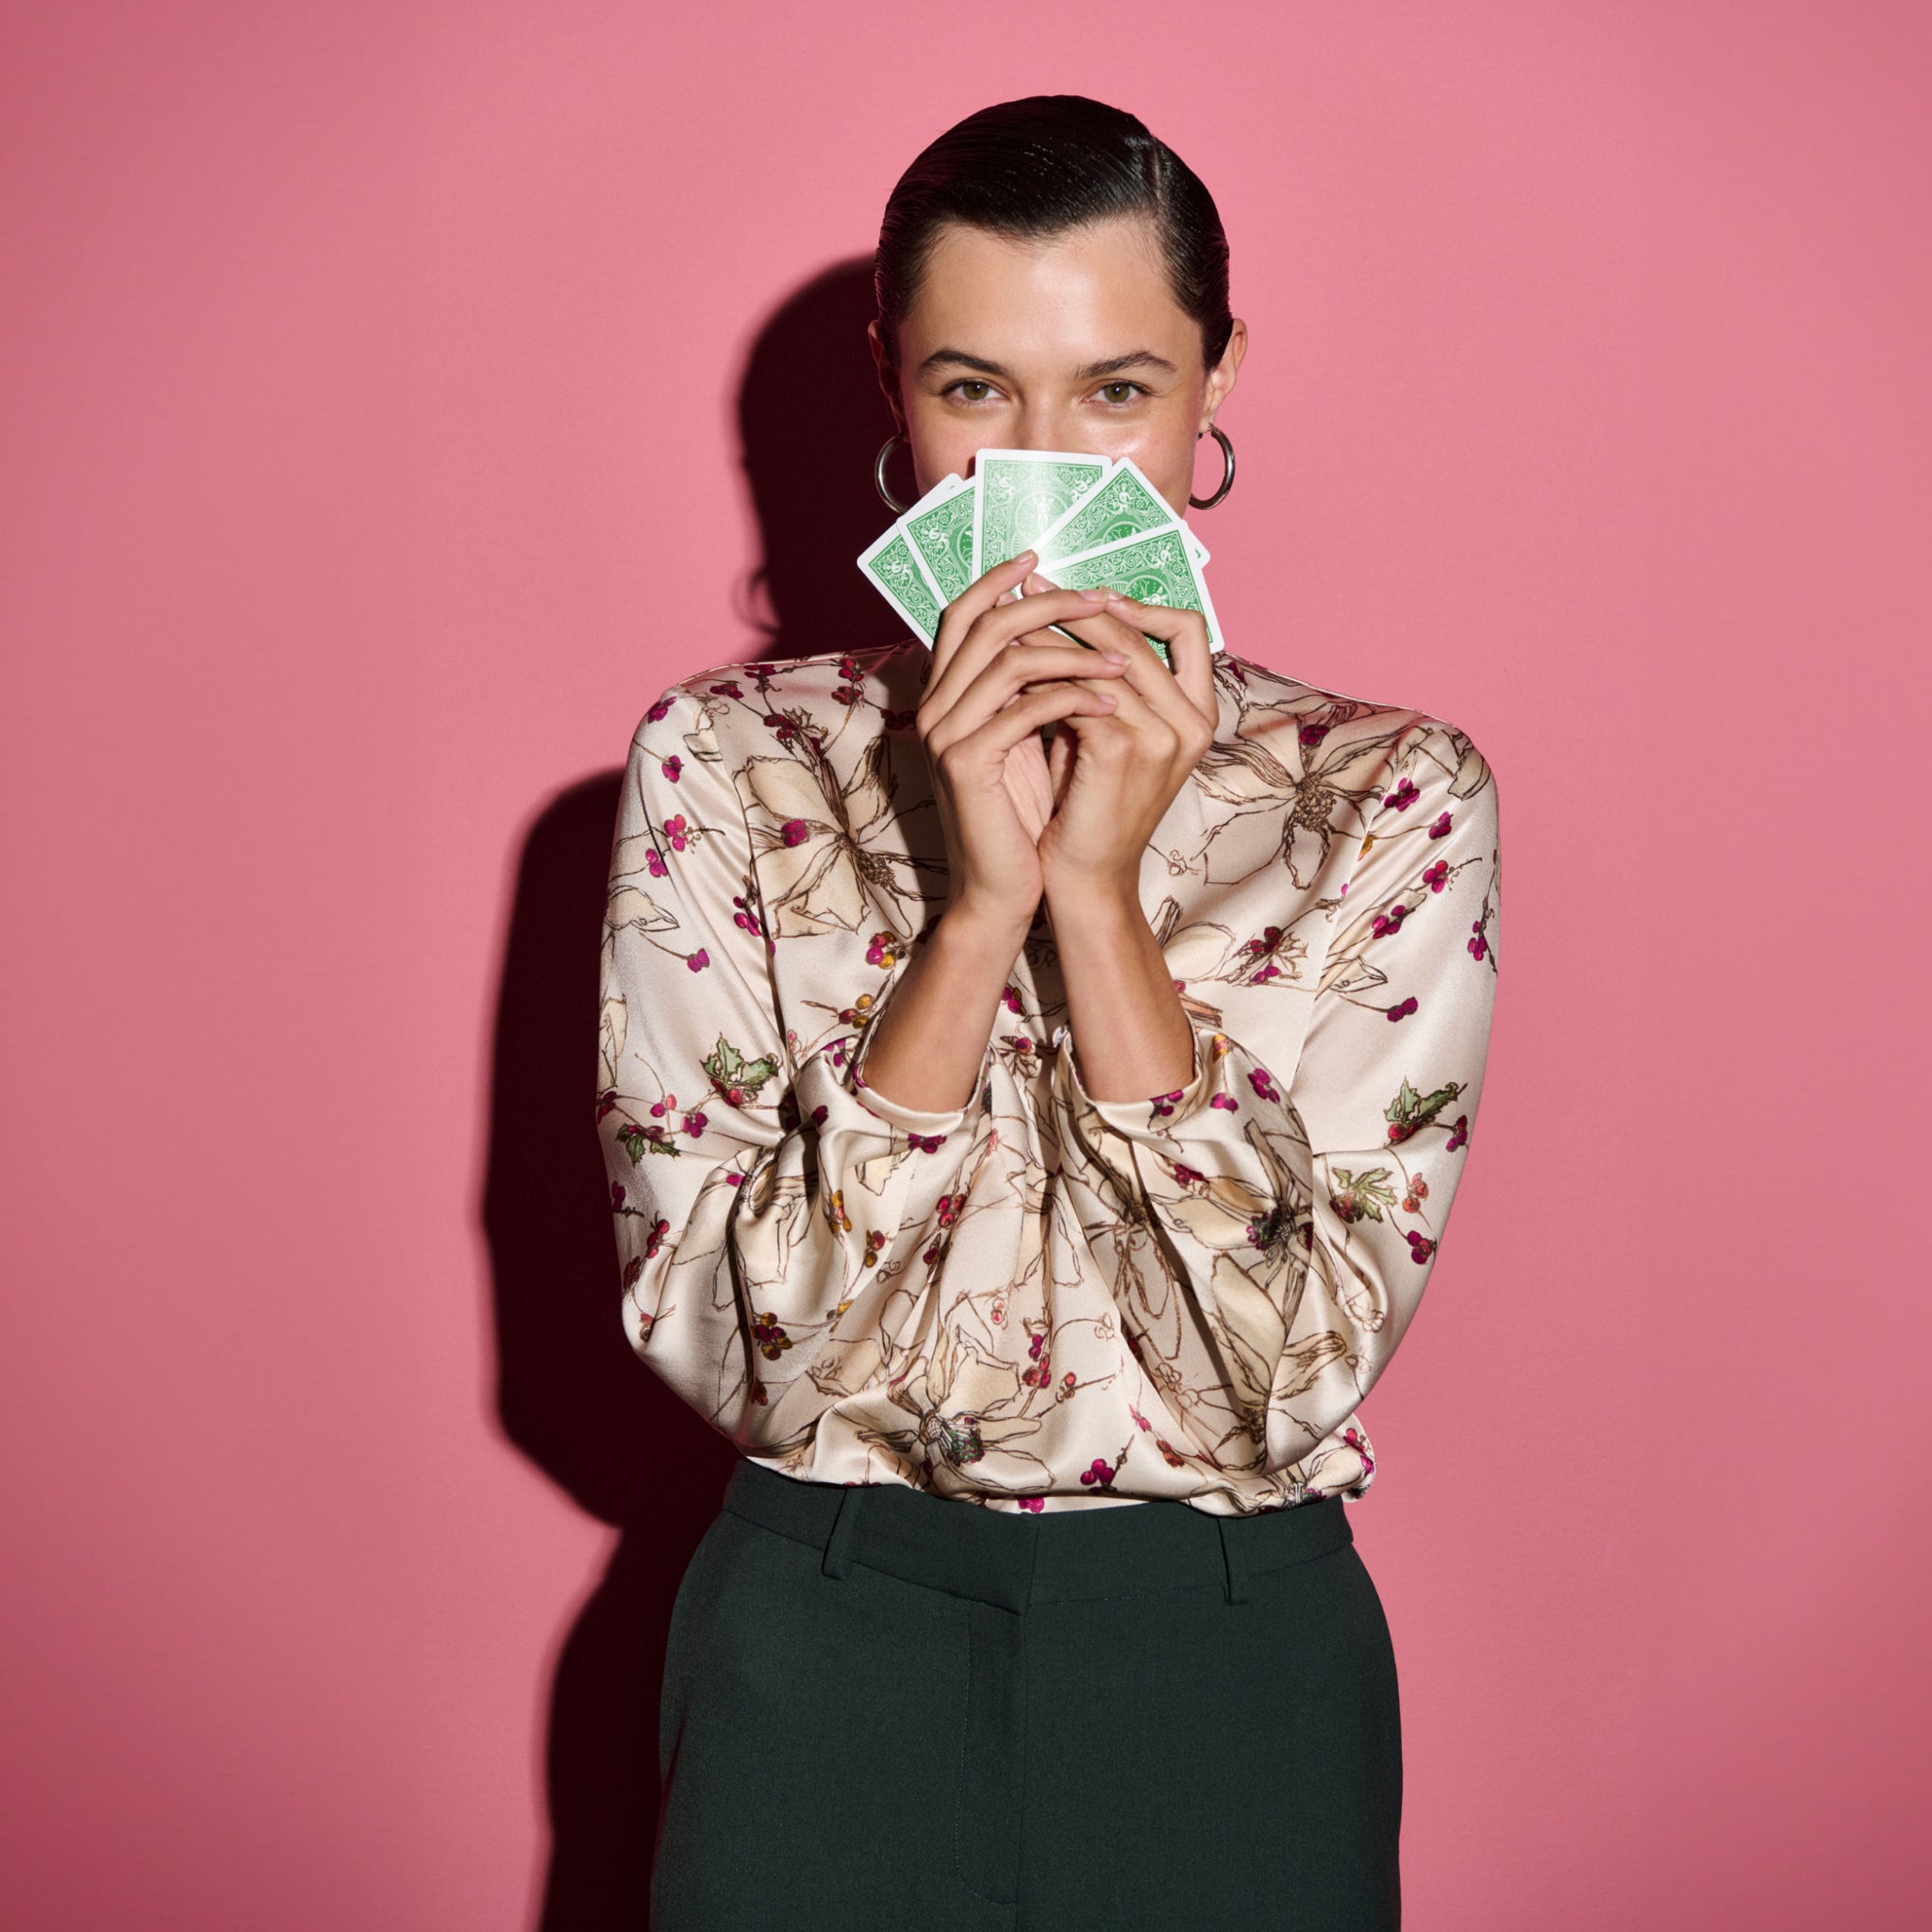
(1030, 1157)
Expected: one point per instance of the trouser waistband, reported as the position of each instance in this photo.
(1017, 1561)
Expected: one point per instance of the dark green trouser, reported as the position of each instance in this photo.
(887, 1711)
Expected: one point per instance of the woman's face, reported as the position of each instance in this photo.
(1073, 343)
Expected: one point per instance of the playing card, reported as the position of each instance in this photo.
(895, 572)
(1123, 503)
(1157, 568)
(940, 529)
(1022, 493)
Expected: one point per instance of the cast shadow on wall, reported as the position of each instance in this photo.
(572, 1394)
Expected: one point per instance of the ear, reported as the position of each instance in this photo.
(1221, 378)
(888, 373)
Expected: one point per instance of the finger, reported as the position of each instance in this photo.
(997, 625)
(980, 596)
(1184, 634)
(1165, 694)
(1007, 678)
(990, 742)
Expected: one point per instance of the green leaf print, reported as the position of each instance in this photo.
(1411, 1111)
(736, 1079)
(639, 1142)
(1363, 1196)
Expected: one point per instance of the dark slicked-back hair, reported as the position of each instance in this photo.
(1037, 167)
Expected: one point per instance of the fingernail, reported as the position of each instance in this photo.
(1113, 656)
(1097, 594)
(1027, 557)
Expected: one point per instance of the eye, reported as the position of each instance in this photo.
(975, 383)
(1121, 392)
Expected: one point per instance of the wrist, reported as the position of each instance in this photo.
(982, 931)
(1109, 903)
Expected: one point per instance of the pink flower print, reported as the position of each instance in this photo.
(605, 1101)
(655, 860)
(697, 961)
(874, 1247)
(655, 1239)
(1186, 1175)
(633, 1271)
(694, 1124)
(1419, 1247)
(1435, 877)
(1067, 1385)
(1402, 1009)
(1009, 998)
(1140, 1419)
(1359, 1442)
(1225, 1102)
(1164, 1103)
(1101, 1472)
(818, 1115)
(727, 691)
(948, 1208)
(771, 1340)
(676, 830)
(1040, 1371)
(671, 767)
(848, 669)
(899, 721)
(1404, 796)
(927, 1144)
(660, 711)
(1460, 1133)
(660, 1107)
(1478, 946)
(1262, 1081)
(883, 950)
(795, 831)
(1417, 1193)
(1032, 1503)
(617, 1198)
(847, 695)
(645, 1323)
(1389, 922)
(1168, 1454)
(1441, 829)
(758, 1393)
(835, 1210)
(1311, 735)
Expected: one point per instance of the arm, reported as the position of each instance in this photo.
(1300, 1196)
(761, 1195)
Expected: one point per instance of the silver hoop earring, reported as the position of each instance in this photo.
(1219, 435)
(878, 476)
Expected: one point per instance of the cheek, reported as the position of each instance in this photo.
(1165, 449)
(942, 445)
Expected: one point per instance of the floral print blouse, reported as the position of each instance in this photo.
(1040, 1301)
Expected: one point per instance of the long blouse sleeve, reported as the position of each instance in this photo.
(1298, 1186)
(764, 1198)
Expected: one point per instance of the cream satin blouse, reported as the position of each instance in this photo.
(1040, 1301)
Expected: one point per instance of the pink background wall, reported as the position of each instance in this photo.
(380, 386)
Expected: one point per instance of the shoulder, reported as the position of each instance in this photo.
(760, 704)
(1359, 743)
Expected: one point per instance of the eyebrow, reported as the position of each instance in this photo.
(1136, 359)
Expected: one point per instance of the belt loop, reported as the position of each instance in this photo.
(838, 1561)
(1231, 1561)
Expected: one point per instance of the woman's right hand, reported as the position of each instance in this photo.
(998, 676)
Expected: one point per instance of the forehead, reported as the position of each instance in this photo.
(1079, 296)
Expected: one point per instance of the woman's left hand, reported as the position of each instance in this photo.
(1113, 778)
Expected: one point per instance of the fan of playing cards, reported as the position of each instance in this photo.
(1093, 520)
